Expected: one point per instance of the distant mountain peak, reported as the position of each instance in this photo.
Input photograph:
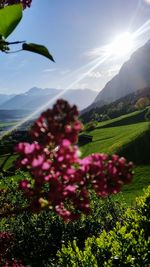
(34, 90)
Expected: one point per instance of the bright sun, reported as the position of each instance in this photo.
(121, 46)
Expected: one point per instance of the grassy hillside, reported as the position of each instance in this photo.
(9, 162)
(128, 136)
(140, 181)
(6, 124)
(111, 139)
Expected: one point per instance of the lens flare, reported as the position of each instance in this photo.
(143, 29)
(121, 46)
(96, 64)
(147, 1)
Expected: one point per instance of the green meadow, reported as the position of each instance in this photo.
(128, 136)
(111, 139)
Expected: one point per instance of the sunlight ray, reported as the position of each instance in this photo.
(98, 61)
(145, 27)
(139, 3)
(82, 69)
(86, 69)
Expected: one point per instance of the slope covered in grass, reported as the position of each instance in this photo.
(114, 135)
(128, 136)
(111, 139)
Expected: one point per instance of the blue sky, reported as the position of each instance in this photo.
(71, 29)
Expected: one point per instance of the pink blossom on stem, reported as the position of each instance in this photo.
(25, 3)
(53, 160)
(57, 124)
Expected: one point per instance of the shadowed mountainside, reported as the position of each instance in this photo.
(133, 75)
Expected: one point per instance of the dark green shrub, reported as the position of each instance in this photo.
(91, 126)
(39, 237)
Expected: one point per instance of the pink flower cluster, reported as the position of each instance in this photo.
(57, 124)
(25, 3)
(61, 179)
(6, 243)
(13, 263)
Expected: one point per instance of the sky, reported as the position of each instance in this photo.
(75, 32)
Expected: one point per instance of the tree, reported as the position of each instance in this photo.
(142, 102)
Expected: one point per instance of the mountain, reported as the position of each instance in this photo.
(80, 97)
(4, 98)
(36, 97)
(133, 75)
(121, 106)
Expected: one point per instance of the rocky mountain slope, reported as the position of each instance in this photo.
(119, 107)
(133, 75)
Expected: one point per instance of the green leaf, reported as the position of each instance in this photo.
(39, 49)
(10, 16)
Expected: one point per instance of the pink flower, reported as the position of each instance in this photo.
(25, 3)
(24, 185)
(57, 124)
(53, 159)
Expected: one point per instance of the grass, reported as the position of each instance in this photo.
(111, 139)
(131, 118)
(129, 136)
(125, 136)
(140, 181)
(5, 124)
(3, 157)
(9, 161)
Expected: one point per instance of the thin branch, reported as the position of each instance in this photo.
(12, 52)
(11, 43)
(17, 42)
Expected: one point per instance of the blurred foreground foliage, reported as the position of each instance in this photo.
(128, 244)
(111, 235)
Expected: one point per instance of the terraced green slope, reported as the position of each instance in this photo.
(115, 135)
(112, 139)
(127, 136)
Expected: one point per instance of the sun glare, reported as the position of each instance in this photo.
(147, 1)
(121, 46)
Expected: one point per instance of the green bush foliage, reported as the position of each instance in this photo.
(127, 244)
(91, 126)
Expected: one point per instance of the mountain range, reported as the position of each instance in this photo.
(4, 98)
(133, 75)
(37, 97)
